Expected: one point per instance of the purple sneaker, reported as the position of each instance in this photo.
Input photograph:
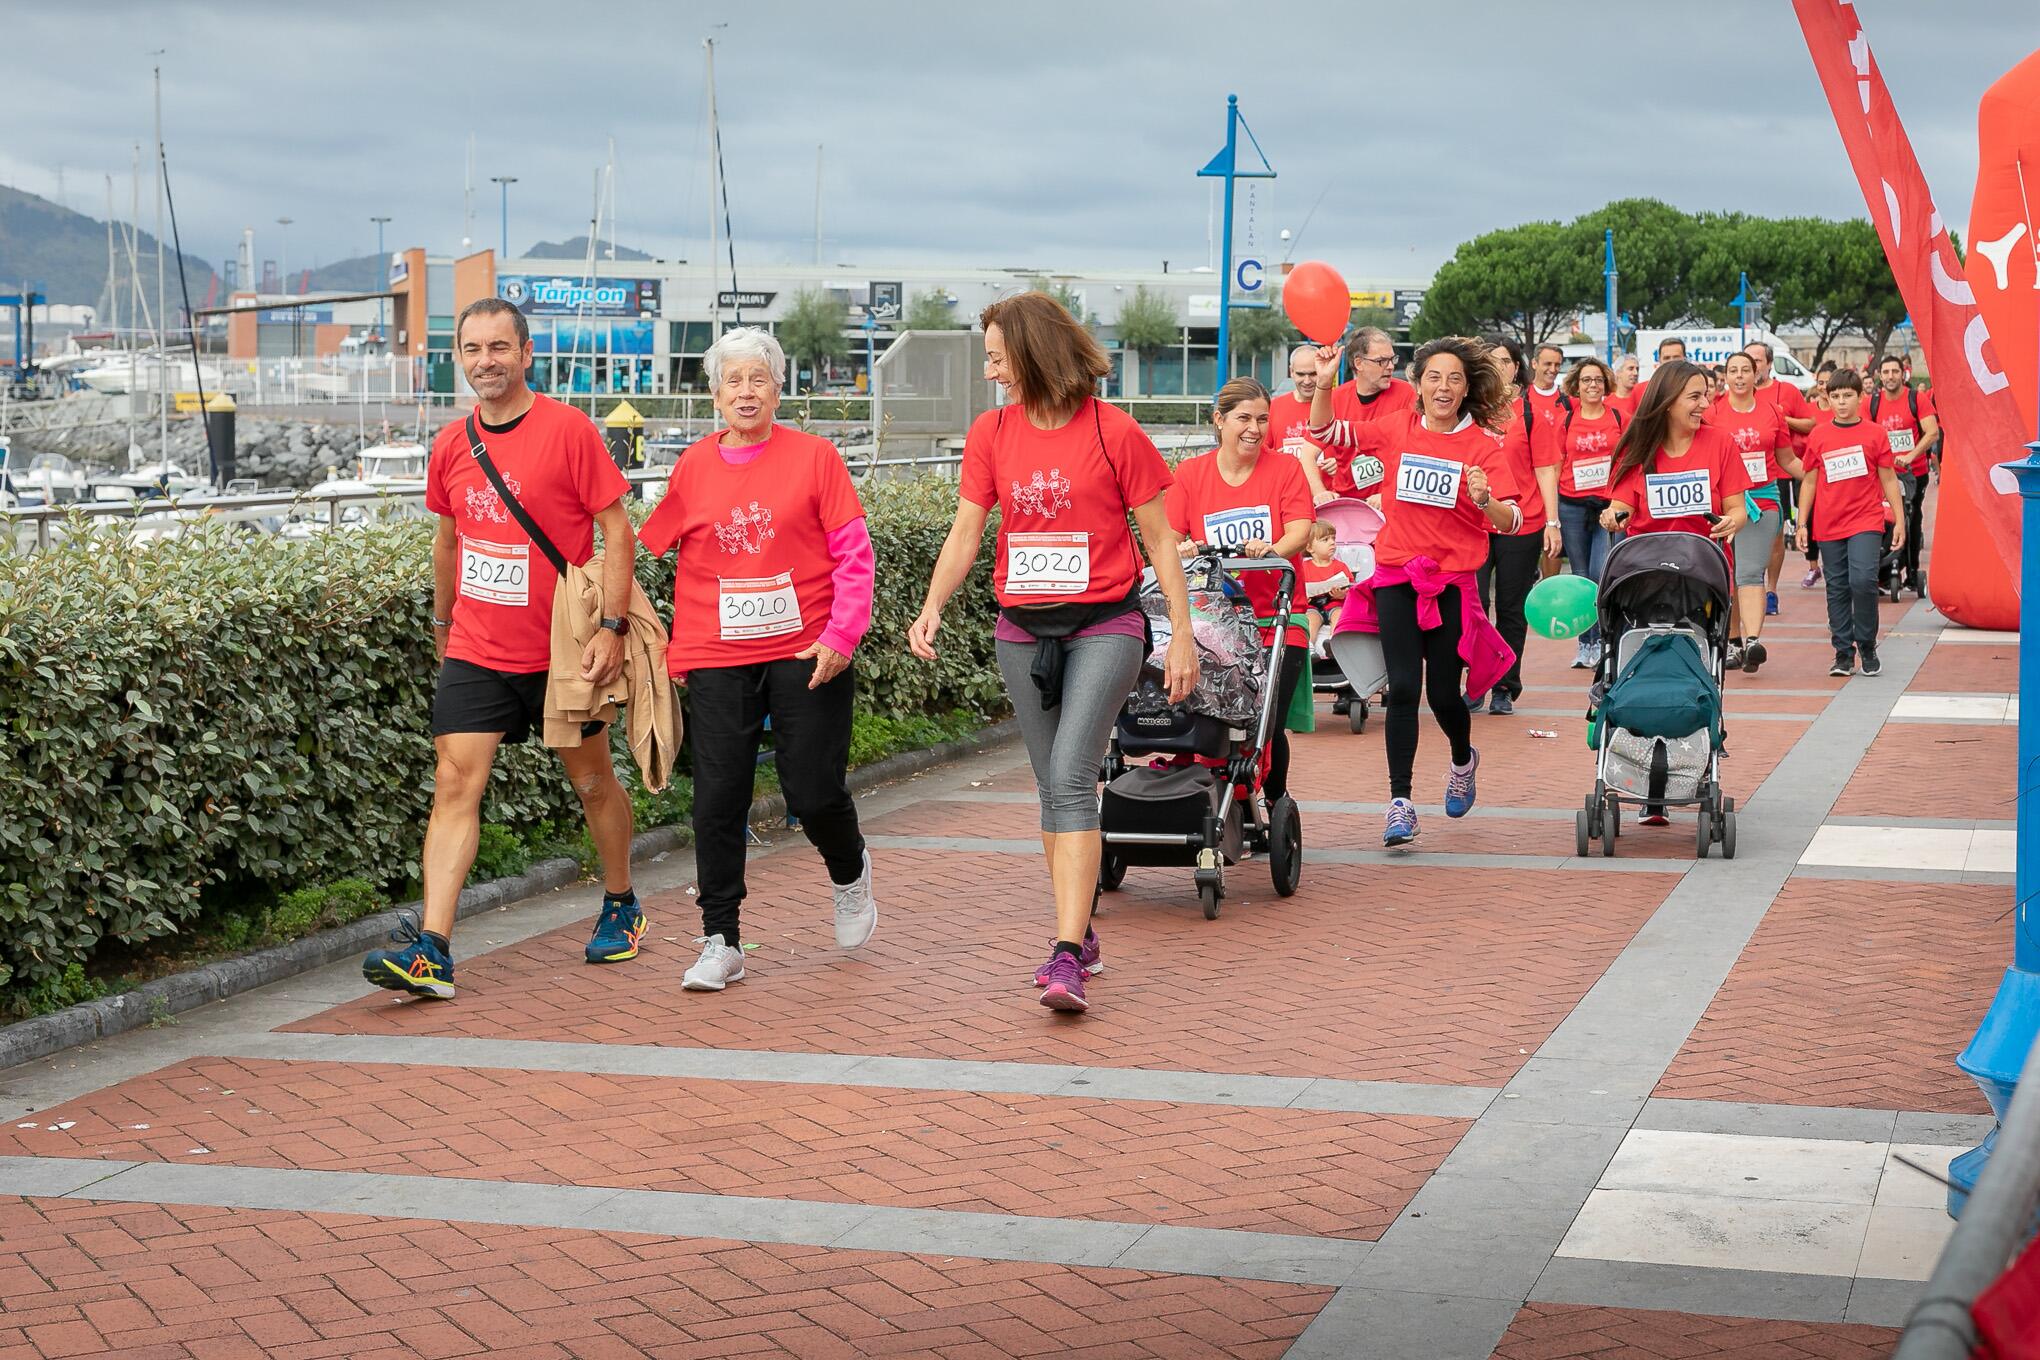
(1089, 960)
(1065, 988)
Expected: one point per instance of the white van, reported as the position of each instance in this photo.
(1711, 347)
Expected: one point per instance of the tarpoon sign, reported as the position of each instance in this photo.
(539, 295)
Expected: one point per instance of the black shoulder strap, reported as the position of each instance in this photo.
(1876, 399)
(1912, 399)
(1616, 411)
(522, 516)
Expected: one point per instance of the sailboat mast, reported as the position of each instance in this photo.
(162, 298)
(714, 179)
(112, 266)
(818, 203)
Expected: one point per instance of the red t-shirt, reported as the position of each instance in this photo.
(1790, 403)
(1203, 506)
(1904, 430)
(1526, 446)
(1586, 449)
(1708, 477)
(1320, 577)
(1626, 402)
(1289, 427)
(1849, 498)
(1361, 475)
(1550, 406)
(554, 462)
(1758, 434)
(754, 580)
(1063, 496)
(1423, 494)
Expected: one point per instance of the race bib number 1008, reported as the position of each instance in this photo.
(1230, 529)
(1048, 564)
(1421, 480)
(1670, 495)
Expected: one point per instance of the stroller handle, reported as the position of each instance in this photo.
(1281, 564)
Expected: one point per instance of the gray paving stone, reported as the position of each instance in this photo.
(1772, 1121)
(1693, 1289)
(1396, 1097)
(997, 1237)
(1246, 1255)
(1948, 1130)
(738, 1218)
(1560, 1154)
(1208, 1088)
(54, 1176)
(1383, 1324)
(1883, 1303)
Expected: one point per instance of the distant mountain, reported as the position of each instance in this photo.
(576, 248)
(362, 274)
(62, 254)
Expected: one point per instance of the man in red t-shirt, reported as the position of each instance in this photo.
(492, 598)
(1289, 421)
(1372, 393)
(1848, 494)
(1914, 428)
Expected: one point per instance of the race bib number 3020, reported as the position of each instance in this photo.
(1669, 495)
(1048, 564)
(1230, 529)
(495, 573)
(1423, 480)
(757, 607)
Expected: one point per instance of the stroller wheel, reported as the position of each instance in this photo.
(1285, 845)
(1207, 897)
(1703, 838)
(1583, 835)
(1728, 835)
(1356, 716)
(1111, 871)
(1611, 827)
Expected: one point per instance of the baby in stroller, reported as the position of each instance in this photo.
(1341, 546)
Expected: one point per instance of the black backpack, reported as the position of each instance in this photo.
(1912, 400)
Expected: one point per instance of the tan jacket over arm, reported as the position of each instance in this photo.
(644, 689)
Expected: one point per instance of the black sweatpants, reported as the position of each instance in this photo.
(1421, 662)
(1504, 585)
(726, 711)
(1915, 489)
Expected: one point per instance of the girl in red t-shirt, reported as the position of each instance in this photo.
(1065, 470)
(1586, 464)
(1764, 442)
(1251, 503)
(1445, 488)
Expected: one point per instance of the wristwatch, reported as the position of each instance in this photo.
(617, 626)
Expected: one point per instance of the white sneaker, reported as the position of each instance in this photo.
(718, 966)
(856, 909)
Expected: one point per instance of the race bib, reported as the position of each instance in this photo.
(1591, 474)
(1366, 470)
(1901, 440)
(1048, 564)
(1846, 465)
(495, 573)
(758, 607)
(1670, 495)
(1228, 529)
(1296, 446)
(1758, 466)
(1422, 480)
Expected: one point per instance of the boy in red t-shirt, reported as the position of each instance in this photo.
(1848, 465)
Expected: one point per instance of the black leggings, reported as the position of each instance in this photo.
(1286, 680)
(1426, 662)
(1504, 585)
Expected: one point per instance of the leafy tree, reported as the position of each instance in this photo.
(812, 332)
(1523, 281)
(1147, 324)
(932, 312)
(1655, 249)
(1255, 332)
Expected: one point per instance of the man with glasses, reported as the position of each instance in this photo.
(1289, 420)
(1373, 392)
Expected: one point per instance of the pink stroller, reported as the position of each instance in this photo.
(1347, 663)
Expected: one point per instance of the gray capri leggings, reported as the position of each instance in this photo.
(1066, 744)
(1753, 543)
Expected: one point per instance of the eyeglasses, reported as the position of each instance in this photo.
(1384, 360)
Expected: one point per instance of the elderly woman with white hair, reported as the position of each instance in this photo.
(772, 593)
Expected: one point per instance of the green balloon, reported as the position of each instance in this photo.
(1561, 606)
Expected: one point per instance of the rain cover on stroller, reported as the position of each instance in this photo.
(1232, 665)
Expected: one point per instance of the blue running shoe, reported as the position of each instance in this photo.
(415, 964)
(1402, 823)
(1459, 788)
(1770, 604)
(617, 932)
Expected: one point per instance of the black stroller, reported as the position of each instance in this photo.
(1655, 714)
(1197, 803)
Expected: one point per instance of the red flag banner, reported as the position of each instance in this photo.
(1974, 578)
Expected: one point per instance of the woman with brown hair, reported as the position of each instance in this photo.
(1445, 487)
(1065, 469)
(1672, 472)
(1586, 463)
(1247, 504)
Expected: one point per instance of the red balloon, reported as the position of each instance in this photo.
(1317, 301)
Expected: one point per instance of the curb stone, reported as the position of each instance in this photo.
(43, 1035)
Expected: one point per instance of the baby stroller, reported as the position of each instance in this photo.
(1891, 573)
(1196, 802)
(1355, 523)
(1655, 715)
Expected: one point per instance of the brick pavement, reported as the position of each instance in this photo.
(1919, 769)
(1560, 1331)
(146, 1282)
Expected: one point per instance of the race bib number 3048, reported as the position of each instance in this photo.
(495, 573)
(1669, 495)
(1421, 480)
(1048, 564)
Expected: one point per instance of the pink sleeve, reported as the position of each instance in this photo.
(855, 570)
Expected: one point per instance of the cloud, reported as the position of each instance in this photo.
(1060, 135)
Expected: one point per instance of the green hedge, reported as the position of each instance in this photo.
(190, 718)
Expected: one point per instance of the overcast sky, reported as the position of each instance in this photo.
(1054, 134)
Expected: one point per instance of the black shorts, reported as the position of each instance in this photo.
(471, 698)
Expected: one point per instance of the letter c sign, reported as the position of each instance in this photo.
(1249, 275)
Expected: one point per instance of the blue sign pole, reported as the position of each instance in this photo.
(1225, 166)
(870, 352)
(1608, 273)
(1997, 1054)
(1742, 310)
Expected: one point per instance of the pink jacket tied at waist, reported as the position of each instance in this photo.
(1487, 657)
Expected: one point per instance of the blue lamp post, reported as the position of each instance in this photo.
(1225, 166)
(1608, 275)
(1741, 302)
(1996, 1055)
